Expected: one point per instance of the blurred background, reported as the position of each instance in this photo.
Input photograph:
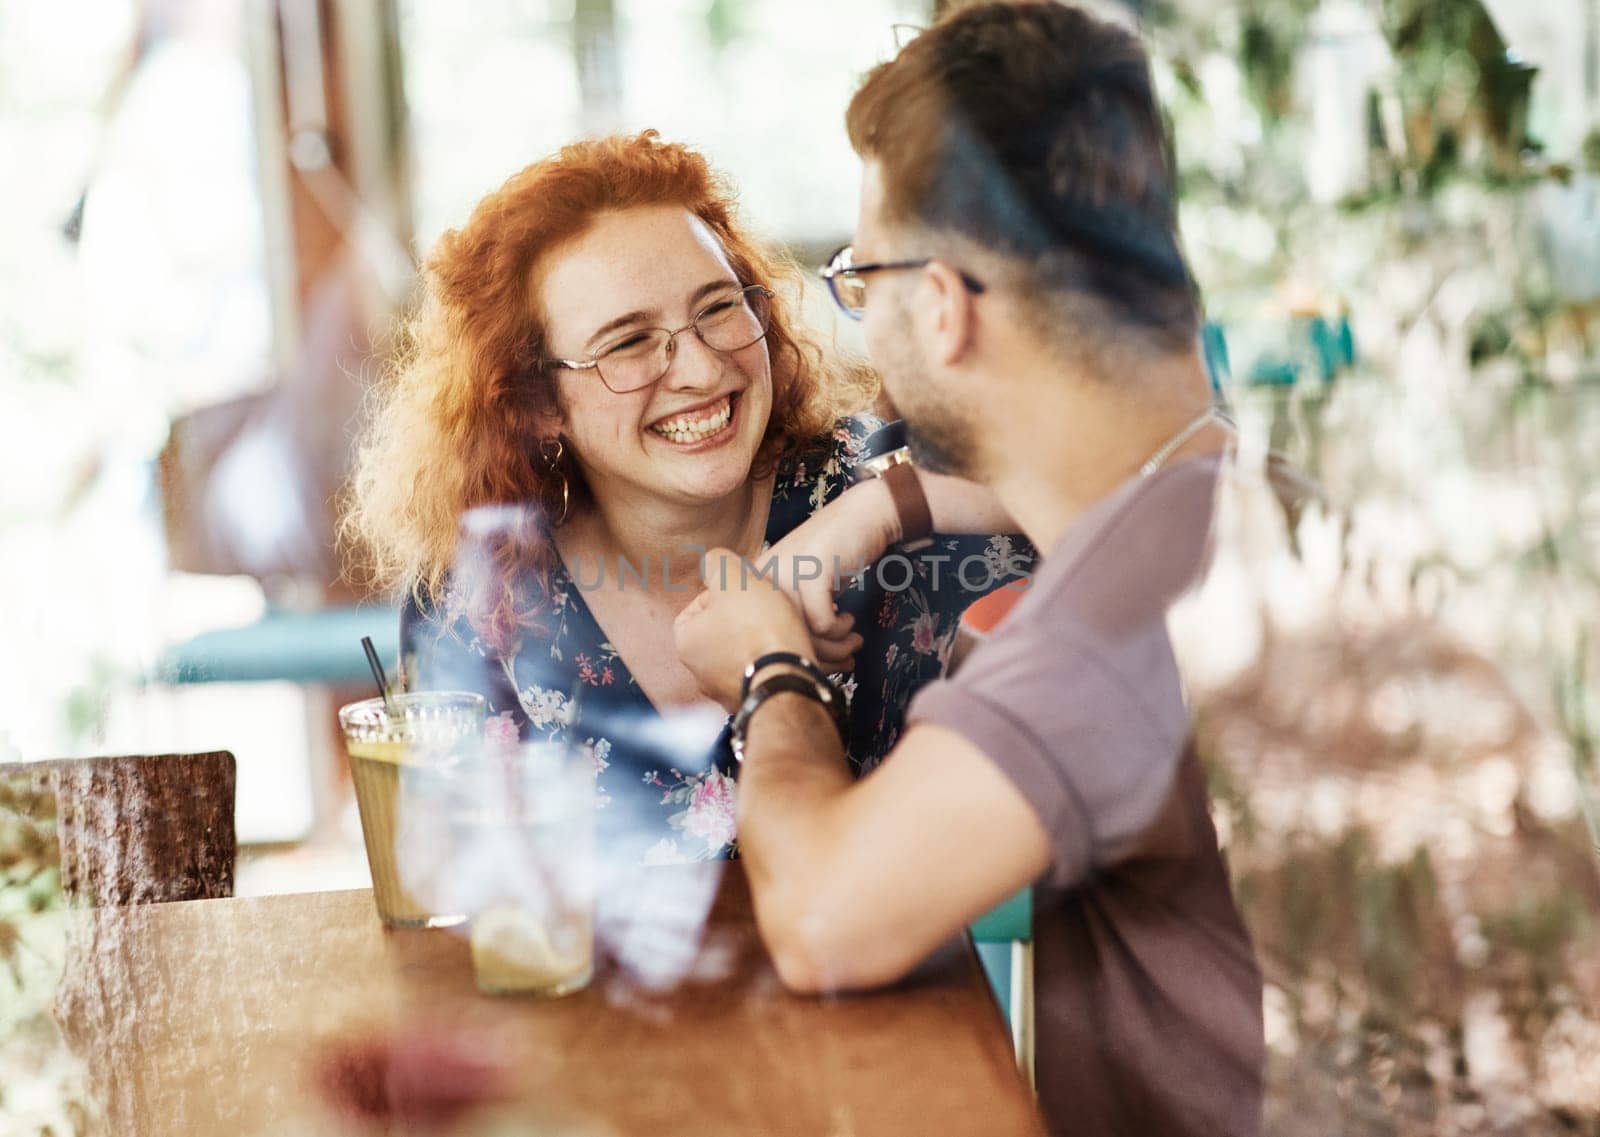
(211, 212)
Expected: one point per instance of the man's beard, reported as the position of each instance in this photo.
(939, 442)
(938, 450)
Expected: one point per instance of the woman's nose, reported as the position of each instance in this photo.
(691, 365)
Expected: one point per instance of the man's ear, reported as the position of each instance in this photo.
(951, 315)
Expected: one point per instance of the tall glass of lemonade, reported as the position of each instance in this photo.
(399, 750)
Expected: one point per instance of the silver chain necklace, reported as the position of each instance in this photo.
(1195, 426)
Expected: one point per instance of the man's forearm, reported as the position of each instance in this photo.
(794, 771)
(790, 788)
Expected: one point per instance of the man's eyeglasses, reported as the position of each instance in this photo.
(850, 291)
(638, 358)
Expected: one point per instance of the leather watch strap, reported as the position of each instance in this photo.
(824, 694)
(911, 504)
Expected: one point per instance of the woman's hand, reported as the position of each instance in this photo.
(849, 534)
(852, 531)
(834, 543)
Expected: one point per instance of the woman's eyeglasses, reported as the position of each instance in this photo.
(640, 357)
(850, 290)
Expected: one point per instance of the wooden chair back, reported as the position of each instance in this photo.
(135, 829)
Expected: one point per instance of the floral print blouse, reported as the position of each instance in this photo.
(666, 783)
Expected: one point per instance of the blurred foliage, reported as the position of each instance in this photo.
(83, 710)
(1405, 772)
(34, 1062)
(1451, 241)
(1271, 33)
(1425, 909)
(30, 859)
(1458, 80)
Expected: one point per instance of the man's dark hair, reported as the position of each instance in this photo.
(1032, 129)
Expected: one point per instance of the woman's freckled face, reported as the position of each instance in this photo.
(653, 268)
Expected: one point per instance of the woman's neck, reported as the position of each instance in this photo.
(624, 542)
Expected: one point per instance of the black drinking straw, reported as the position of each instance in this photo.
(377, 674)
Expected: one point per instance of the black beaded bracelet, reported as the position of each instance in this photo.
(819, 691)
(771, 658)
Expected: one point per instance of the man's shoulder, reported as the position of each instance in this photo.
(1046, 644)
(1108, 583)
(1059, 666)
(1087, 731)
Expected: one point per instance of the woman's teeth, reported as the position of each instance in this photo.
(694, 427)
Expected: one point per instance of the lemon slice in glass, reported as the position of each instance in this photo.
(512, 950)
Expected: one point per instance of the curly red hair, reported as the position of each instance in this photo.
(456, 423)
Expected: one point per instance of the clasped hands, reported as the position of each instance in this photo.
(783, 601)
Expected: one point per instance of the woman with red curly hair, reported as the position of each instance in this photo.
(605, 377)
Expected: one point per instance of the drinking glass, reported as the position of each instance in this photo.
(524, 820)
(400, 751)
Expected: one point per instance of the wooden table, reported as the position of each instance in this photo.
(206, 1017)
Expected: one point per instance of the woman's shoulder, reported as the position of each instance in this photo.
(451, 609)
(852, 438)
(826, 466)
(820, 472)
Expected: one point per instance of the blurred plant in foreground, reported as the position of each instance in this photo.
(1404, 761)
(40, 1082)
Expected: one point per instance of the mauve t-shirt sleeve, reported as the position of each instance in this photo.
(1070, 733)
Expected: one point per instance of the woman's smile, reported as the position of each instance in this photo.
(703, 427)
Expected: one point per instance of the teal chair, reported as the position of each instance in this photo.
(1214, 346)
(1004, 938)
(300, 647)
(1317, 349)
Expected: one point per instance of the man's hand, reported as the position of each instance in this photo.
(739, 616)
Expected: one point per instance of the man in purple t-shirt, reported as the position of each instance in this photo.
(1018, 270)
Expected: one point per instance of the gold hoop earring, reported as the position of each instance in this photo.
(552, 463)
